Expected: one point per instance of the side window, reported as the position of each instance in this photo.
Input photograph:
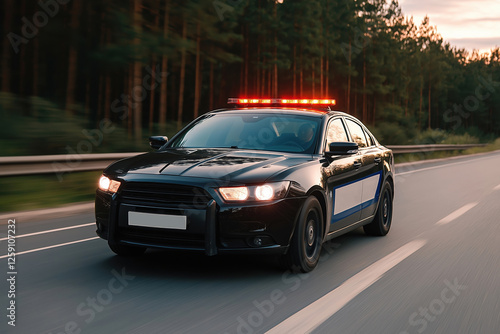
(335, 133)
(357, 133)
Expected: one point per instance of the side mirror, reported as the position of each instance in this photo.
(342, 148)
(157, 141)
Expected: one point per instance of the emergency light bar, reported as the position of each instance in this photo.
(233, 100)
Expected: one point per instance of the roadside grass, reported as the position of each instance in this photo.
(19, 193)
(412, 157)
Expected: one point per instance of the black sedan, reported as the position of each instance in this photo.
(253, 178)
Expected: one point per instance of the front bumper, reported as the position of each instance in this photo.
(212, 228)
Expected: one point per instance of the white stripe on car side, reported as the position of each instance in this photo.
(370, 187)
(354, 194)
(347, 197)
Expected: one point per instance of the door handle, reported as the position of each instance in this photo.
(378, 160)
(357, 164)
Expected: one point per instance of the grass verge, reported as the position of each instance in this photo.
(31, 192)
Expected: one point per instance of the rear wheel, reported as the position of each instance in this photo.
(305, 247)
(126, 250)
(381, 224)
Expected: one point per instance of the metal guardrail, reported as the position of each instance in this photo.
(60, 164)
(402, 149)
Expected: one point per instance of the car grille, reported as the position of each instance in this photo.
(164, 195)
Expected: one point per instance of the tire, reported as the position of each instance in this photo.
(126, 250)
(305, 247)
(381, 224)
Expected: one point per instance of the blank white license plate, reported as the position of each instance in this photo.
(156, 220)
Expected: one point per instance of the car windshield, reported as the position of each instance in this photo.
(276, 132)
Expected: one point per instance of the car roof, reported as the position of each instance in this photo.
(280, 110)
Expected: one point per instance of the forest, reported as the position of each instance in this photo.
(114, 72)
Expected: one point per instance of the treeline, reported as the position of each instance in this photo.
(145, 64)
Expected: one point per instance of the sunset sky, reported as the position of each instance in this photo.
(464, 23)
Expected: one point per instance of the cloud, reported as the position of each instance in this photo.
(483, 19)
(484, 43)
(464, 23)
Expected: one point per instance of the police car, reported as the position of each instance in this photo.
(276, 176)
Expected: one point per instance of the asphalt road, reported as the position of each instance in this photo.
(437, 271)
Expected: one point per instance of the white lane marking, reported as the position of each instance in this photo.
(313, 315)
(50, 231)
(454, 215)
(49, 247)
(497, 187)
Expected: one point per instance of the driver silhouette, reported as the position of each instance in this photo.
(305, 135)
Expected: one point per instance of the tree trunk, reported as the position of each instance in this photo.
(301, 74)
(107, 84)
(327, 78)
(164, 83)
(269, 82)
(198, 76)
(365, 107)
(130, 101)
(349, 79)
(72, 58)
(275, 56)
(22, 57)
(355, 110)
(152, 96)
(182, 75)
(257, 90)
(36, 46)
(211, 98)
(137, 74)
(242, 67)
(87, 98)
(156, 13)
(100, 96)
(327, 66)
(247, 60)
(107, 96)
(313, 79)
(7, 49)
(322, 92)
(294, 70)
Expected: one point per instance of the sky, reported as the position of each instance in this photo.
(463, 23)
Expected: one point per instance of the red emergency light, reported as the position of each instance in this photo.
(325, 102)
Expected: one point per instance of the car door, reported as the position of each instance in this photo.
(344, 193)
(370, 172)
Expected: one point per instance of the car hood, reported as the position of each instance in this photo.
(231, 165)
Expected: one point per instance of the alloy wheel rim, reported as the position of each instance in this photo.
(386, 209)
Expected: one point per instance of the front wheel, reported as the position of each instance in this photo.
(305, 247)
(383, 217)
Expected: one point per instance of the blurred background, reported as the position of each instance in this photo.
(111, 73)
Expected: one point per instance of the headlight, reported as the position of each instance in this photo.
(234, 193)
(265, 192)
(106, 184)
